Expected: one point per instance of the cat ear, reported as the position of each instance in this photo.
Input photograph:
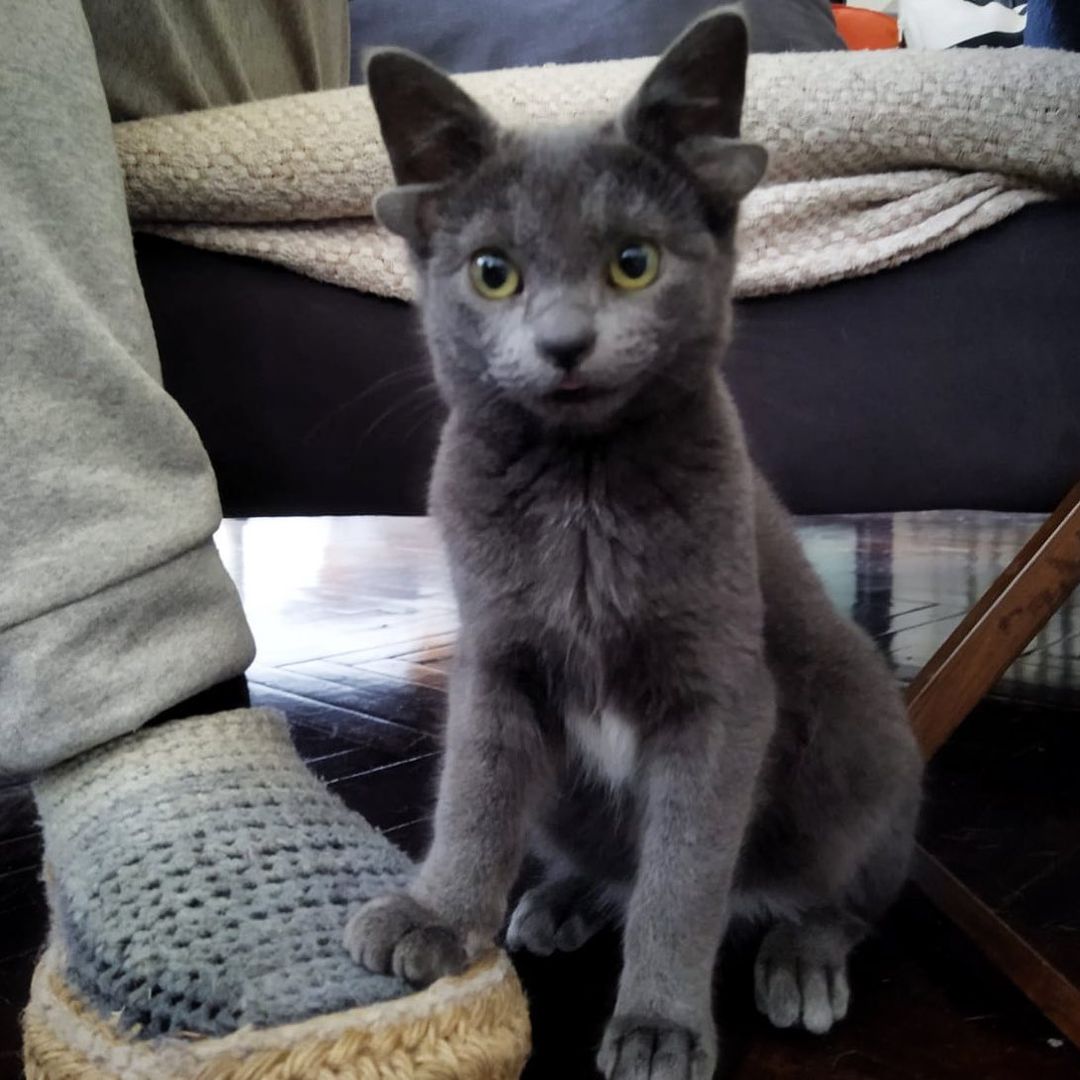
(726, 168)
(432, 129)
(690, 106)
(404, 210)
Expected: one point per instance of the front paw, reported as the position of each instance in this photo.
(638, 1048)
(395, 935)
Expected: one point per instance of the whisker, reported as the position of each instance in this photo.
(385, 382)
(394, 407)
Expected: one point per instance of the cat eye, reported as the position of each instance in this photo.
(635, 266)
(493, 275)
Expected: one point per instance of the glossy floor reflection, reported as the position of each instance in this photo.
(310, 584)
(355, 627)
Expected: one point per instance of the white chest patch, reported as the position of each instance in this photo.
(607, 744)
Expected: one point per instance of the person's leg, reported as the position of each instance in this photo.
(198, 875)
(114, 605)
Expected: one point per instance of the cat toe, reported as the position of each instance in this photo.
(816, 1012)
(574, 933)
(428, 953)
(777, 993)
(839, 993)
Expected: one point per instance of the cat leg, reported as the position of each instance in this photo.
(451, 911)
(800, 976)
(697, 778)
(558, 915)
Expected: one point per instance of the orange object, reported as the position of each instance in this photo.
(862, 29)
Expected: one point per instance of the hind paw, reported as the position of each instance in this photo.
(556, 916)
(800, 978)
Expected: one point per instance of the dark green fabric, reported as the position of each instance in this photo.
(167, 56)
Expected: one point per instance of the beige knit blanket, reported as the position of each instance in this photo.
(876, 158)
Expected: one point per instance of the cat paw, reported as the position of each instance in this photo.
(395, 935)
(554, 917)
(649, 1049)
(800, 978)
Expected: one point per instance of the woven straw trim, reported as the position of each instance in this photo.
(475, 1027)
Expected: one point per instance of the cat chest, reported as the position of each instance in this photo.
(586, 581)
(605, 745)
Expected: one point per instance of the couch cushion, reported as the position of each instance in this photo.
(951, 381)
(488, 34)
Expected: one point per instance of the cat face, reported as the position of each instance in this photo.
(569, 272)
(572, 271)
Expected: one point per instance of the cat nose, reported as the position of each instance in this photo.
(567, 352)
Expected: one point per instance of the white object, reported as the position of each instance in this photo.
(941, 24)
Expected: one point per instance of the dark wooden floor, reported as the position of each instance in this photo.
(355, 626)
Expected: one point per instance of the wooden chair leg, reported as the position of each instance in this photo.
(998, 628)
(994, 633)
(1048, 988)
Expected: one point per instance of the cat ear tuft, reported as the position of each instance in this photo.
(689, 107)
(432, 129)
(404, 211)
(726, 168)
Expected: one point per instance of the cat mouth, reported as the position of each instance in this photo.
(574, 391)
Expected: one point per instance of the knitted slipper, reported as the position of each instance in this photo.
(199, 877)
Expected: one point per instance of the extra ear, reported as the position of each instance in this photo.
(726, 168)
(404, 210)
(690, 106)
(432, 129)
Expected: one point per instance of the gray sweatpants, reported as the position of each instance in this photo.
(113, 602)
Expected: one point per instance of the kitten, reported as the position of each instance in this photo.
(652, 692)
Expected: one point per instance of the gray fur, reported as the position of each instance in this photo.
(619, 564)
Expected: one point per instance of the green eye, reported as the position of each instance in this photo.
(635, 266)
(493, 275)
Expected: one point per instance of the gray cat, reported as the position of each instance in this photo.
(652, 692)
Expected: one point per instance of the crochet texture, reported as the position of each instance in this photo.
(200, 876)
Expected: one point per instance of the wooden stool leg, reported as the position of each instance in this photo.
(994, 633)
(998, 628)
(1048, 988)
